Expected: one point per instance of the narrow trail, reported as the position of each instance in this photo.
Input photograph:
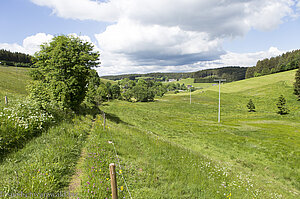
(75, 183)
(75, 179)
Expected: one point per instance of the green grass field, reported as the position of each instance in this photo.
(13, 80)
(254, 155)
(169, 148)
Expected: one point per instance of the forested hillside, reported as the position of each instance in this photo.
(232, 73)
(8, 58)
(284, 62)
(152, 76)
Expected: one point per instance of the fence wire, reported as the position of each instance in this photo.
(112, 142)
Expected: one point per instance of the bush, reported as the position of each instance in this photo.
(21, 121)
(251, 106)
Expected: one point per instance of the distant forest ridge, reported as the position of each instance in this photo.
(231, 73)
(8, 58)
(286, 61)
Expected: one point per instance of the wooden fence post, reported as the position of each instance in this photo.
(104, 121)
(5, 100)
(114, 190)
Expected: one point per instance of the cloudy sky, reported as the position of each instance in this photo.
(140, 36)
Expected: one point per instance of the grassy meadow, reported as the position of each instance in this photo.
(168, 148)
(250, 155)
(13, 82)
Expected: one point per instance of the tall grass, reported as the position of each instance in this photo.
(44, 166)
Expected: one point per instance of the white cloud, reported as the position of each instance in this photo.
(218, 18)
(298, 5)
(168, 35)
(82, 9)
(267, 15)
(158, 45)
(30, 44)
(243, 59)
(228, 59)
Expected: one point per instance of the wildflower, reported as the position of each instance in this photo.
(120, 171)
(122, 188)
(229, 195)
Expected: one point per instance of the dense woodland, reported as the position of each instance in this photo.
(8, 58)
(284, 62)
(232, 73)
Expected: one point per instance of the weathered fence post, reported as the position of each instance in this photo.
(5, 100)
(104, 121)
(114, 190)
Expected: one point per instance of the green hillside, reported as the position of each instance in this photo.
(13, 81)
(184, 153)
(287, 78)
(168, 148)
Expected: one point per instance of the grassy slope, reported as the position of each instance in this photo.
(46, 162)
(259, 151)
(13, 80)
(107, 80)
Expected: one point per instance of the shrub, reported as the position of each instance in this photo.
(21, 121)
(251, 106)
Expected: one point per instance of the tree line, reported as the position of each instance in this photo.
(8, 58)
(150, 76)
(231, 73)
(286, 61)
(128, 90)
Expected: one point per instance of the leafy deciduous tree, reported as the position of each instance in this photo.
(62, 72)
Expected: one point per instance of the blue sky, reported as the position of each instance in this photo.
(140, 36)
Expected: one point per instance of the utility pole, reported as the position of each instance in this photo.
(190, 95)
(219, 80)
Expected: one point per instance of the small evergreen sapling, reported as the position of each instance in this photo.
(251, 106)
(281, 105)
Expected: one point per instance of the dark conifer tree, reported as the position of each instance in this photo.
(251, 106)
(281, 105)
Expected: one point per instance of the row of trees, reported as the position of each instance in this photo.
(284, 62)
(15, 58)
(231, 73)
(153, 76)
(144, 91)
